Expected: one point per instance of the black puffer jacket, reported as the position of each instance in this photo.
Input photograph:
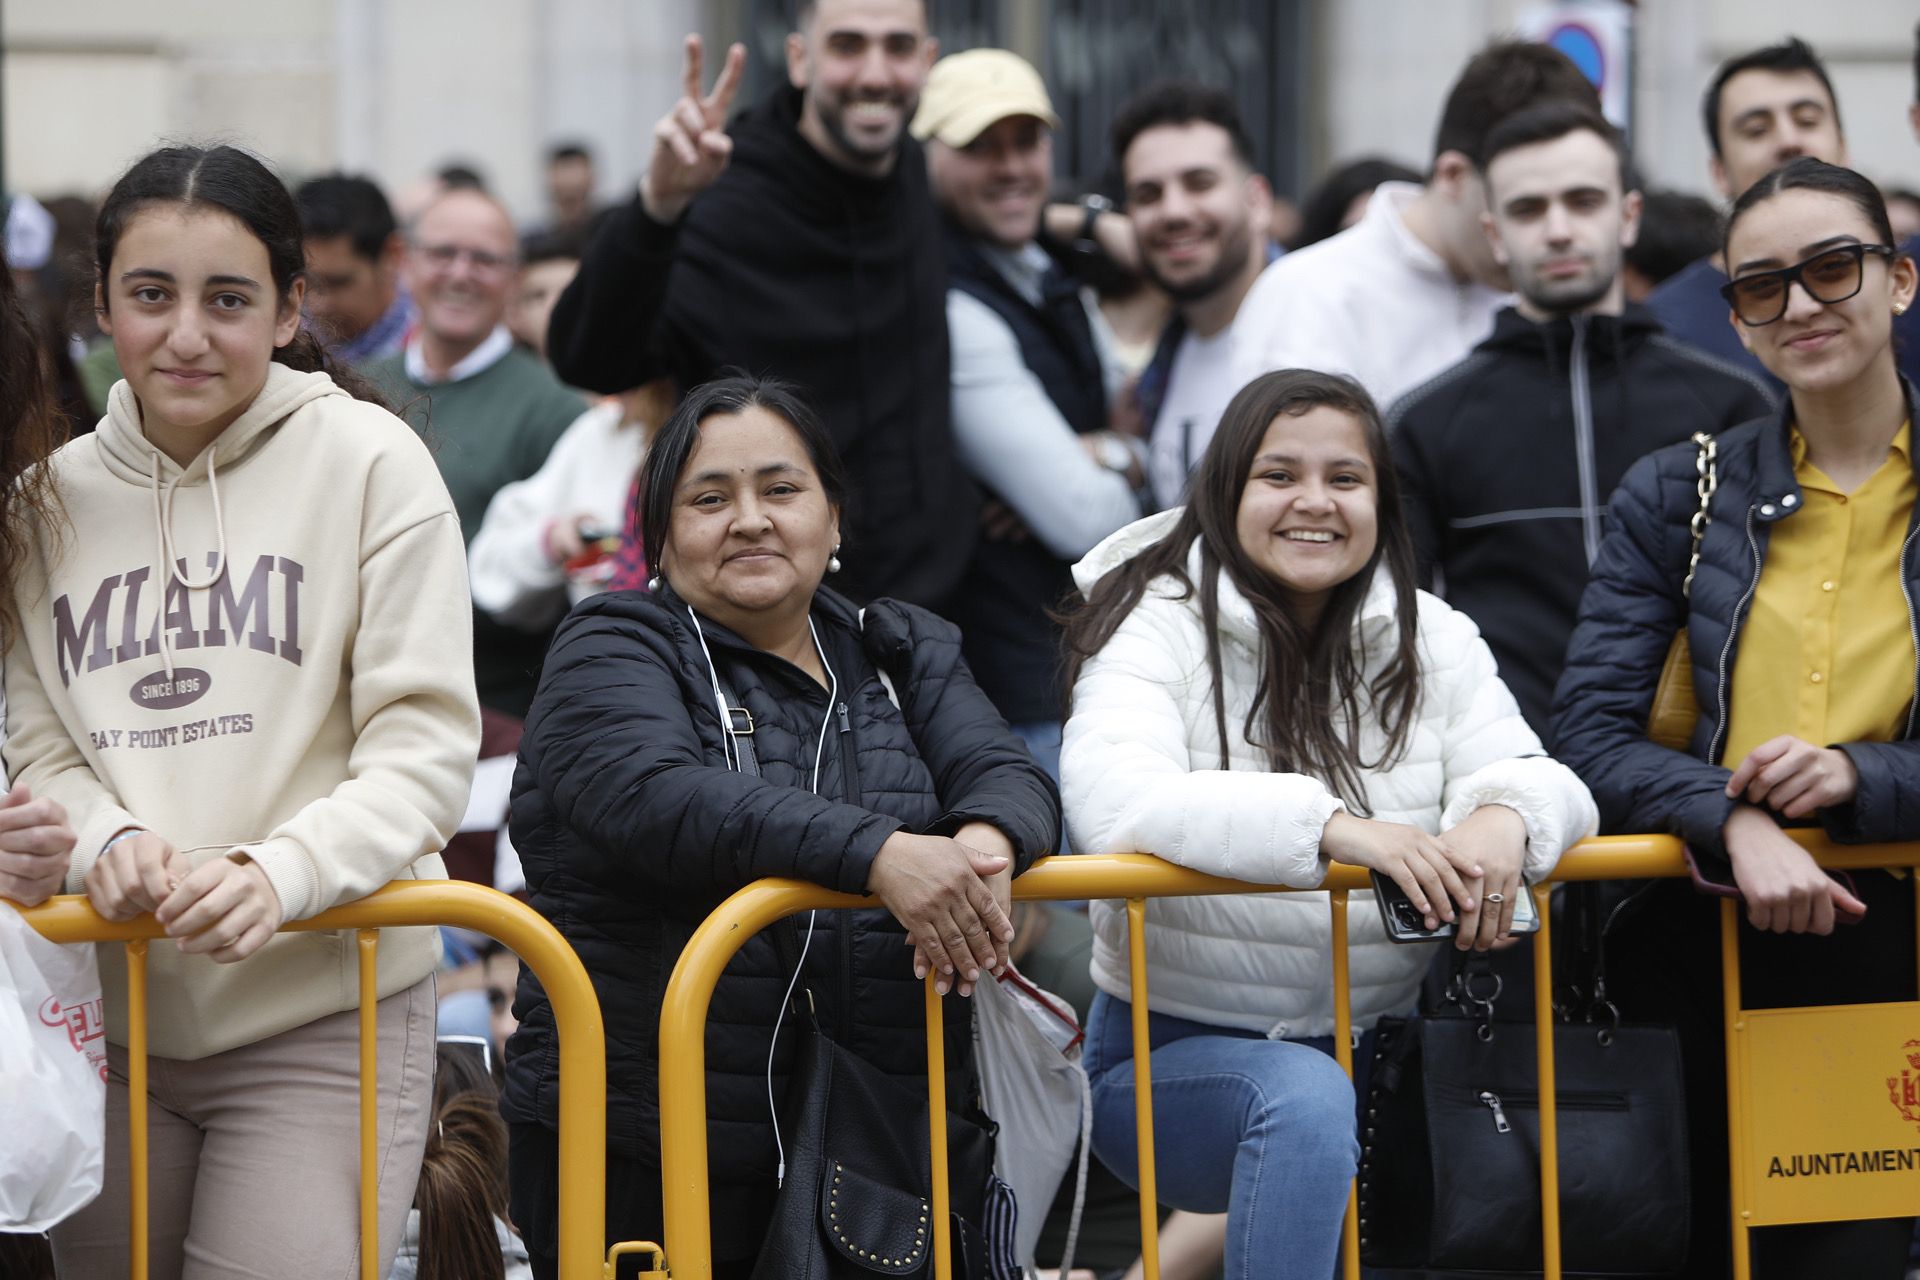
(632, 829)
(1628, 617)
(1506, 461)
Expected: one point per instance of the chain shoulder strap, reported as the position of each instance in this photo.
(1707, 467)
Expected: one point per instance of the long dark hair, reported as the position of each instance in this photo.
(672, 445)
(228, 179)
(1306, 710)
(31, 427)
(463, 1176)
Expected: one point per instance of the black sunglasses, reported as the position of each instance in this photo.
(1832, 275)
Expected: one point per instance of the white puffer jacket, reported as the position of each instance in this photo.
(1139, 773)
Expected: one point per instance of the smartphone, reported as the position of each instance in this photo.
(1405, 923)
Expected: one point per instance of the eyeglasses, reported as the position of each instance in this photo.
(1833, 275)
(443, 256)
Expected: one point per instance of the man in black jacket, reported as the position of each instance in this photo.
(800, 240)
(1507, 458)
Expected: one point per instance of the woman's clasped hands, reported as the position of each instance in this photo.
(953, 897)
(225, 909)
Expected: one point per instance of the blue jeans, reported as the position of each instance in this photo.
(1260, 1129)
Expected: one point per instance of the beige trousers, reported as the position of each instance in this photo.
(254, 1154)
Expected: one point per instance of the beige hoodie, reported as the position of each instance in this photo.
(309, 698)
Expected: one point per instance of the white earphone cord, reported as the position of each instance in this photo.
(819, 749)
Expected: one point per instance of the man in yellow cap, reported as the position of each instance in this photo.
(1029, 388)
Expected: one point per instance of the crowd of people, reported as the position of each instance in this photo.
(848, 505)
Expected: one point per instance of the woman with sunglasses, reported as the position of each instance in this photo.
(1799, 614)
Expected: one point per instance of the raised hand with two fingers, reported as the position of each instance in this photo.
(690, 143)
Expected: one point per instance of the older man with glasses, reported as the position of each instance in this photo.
(493, 410)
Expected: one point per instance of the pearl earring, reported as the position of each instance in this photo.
(653, 583)
(1899, 308)
(833, 561)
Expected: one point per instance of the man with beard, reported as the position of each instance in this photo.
(1200, 214)
(800, 240)
(1508, 458)
(1029, 389)
(491, 410)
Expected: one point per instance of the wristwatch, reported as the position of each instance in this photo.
(1092, 205)
(1112, 453)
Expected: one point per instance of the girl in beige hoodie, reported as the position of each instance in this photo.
(244, 667)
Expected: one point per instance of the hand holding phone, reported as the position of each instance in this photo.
(1494, 839)
(1405, 923)
(1432, 875)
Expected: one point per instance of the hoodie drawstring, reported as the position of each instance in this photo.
(163, 546)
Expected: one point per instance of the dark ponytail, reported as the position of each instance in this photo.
(462, 1190)
(234, 182)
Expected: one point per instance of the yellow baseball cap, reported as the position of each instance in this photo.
(968, 92)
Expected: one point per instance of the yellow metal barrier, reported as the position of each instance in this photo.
(576, 1016)
(1135, 878)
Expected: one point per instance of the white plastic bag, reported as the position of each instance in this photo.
(1034, 1088)
(53, 1077)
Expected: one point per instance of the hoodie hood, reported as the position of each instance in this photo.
(1513, 332)
(129, 455)
(1237, 618)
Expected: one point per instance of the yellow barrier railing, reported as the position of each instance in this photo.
(1135, 878)
(576, 1016)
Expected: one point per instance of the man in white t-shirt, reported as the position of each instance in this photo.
(1201, 216)
(1407, 291)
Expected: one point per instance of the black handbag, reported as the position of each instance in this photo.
(857, 1199)
(856, 1195)
(1450, 1175)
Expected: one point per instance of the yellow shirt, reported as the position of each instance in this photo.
(1827, 650)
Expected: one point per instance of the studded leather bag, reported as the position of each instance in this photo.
(855, 1197)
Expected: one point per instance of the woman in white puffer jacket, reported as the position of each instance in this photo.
(1392, 745)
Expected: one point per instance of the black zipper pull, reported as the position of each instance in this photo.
(846, 725)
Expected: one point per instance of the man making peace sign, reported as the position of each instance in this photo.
(799, 239)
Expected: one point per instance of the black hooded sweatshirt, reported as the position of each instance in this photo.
(1507, 459)
(790, 266)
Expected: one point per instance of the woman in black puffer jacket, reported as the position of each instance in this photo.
(1801, 627)
(632, 826)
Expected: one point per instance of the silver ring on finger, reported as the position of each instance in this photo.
(1496, 897)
